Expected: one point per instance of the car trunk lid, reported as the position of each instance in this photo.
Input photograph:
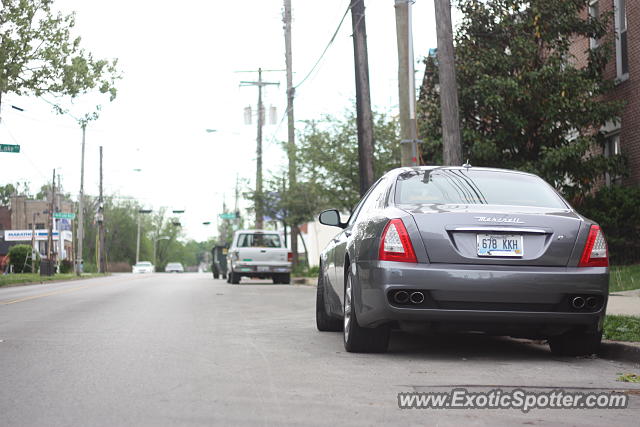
(452, 233)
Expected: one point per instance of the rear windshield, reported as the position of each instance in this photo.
(259, 240)
(475, 187)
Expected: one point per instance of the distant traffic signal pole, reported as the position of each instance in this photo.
(364, 117)
(406, 85)
(451, 140)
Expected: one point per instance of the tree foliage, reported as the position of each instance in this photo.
(40, 56)
(327, 153)
(523, 103)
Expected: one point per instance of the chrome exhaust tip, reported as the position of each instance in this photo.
(401, 297)
(578, 302)
(417, 297)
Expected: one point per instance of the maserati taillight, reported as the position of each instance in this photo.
(595, 251)
(395, 244)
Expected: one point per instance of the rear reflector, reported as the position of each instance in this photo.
(395, 244)
(595, 251)
(290, 257)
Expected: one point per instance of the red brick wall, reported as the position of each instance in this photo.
(628, 90)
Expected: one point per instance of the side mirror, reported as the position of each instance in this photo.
(331, 217)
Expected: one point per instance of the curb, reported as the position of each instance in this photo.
(46, 282)
(304, 281)
(618, 350)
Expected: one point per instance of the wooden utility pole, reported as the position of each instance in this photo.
(291, 132)
(102, 256)
(51, 209)
(451, 140)
(80, 238)
(363, 96)
(406, 85)
(258, 194)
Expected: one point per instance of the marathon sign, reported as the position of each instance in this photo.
(25, 235)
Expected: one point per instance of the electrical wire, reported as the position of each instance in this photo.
(335, 34)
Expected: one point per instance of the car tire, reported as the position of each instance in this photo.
(276, 279)
(235, 278)
(324, 322)
(575, 343)
(224, 276)
(285, 278)
(356, 338)
(216, 275)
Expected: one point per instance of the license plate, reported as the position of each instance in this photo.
(497, 245)
(262, 269)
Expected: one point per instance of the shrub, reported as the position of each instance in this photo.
(617, 210)
(119, 267)
(20, 259)
(66, 266)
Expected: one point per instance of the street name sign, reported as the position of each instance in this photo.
(8, 148)
(64, 215)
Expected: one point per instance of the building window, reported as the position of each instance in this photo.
(594, 12)
(612, 148)
(39, 226)
(622, 48)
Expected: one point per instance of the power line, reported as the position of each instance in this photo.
(335, 34)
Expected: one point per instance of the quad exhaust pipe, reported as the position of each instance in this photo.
(591, 302)
(417, 297)
(578, 302)
(401, 297)
(404, 297)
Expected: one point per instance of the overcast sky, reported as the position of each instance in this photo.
(179, 63)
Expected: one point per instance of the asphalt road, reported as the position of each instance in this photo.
(187, 350)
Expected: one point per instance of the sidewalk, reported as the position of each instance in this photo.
(624, 303)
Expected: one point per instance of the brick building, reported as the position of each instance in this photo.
(624, 69)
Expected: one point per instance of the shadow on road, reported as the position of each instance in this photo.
(474, 346)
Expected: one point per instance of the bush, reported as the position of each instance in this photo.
(119, 267)
(66, 266)
(20, 259)
(617, 210)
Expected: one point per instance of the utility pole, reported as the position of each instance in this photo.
(258, 195)
(364, 117)
(102, 264)
(79, 261)
(451, 140)
(51, 209)
(33, 243)
(406, 84)
(291, 132)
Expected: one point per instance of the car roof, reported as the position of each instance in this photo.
(398, 171)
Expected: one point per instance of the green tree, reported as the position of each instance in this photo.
(523, 104)
(39, 55)
(327, 153)
(8, 190)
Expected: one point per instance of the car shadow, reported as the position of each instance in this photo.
(466, 346)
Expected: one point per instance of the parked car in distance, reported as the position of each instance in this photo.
(143, 267)
(174, 267)
(470, 249)
(258, 253)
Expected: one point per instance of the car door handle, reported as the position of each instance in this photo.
(263, 251)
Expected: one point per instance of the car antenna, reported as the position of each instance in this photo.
(467, 165)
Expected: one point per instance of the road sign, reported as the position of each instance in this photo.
(7, 148)
(64, 215)
(228, 215)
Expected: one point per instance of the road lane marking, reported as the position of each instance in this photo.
(58, 292)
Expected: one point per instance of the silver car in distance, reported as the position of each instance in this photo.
(471, 249)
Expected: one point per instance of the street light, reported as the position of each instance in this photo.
(155, 245)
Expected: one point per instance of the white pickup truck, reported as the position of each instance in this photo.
(258, 253)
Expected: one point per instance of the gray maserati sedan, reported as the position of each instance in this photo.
(453, 249)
